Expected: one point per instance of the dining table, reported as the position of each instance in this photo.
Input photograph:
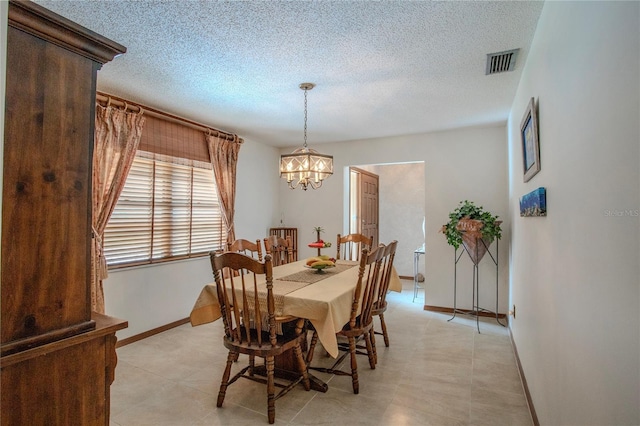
(323, 297)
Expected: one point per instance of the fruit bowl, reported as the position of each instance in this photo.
(320, 268)
(319, 263)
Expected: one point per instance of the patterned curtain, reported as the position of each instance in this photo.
(117, 137)
(224, 159)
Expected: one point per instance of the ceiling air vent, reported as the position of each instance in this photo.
(501, 61)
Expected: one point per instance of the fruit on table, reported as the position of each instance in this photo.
(319, 262)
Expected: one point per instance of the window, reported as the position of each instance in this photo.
(168, 210)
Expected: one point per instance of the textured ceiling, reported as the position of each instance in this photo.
(381, 68)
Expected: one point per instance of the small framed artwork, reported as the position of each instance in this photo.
(534, 203)
(530, 144)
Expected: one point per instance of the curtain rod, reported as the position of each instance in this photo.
(104, 98)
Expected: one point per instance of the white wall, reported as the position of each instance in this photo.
(575, 274)
(460, 164)
(468, 164)
(257, 191)
(153, 296)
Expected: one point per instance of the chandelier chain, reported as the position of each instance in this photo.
(305, 117)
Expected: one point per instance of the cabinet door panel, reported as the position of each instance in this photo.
(46, 226)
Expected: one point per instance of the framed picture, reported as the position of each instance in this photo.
(534, 203)
(530, 144)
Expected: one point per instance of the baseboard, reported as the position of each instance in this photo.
(150, 333)
(448, 310)
(532, 410)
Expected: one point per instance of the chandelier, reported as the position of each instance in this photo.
(305, 167)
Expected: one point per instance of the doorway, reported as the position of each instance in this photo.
(400, 213)
(364, 203)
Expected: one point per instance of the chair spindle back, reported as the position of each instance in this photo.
(280, 249)
(350, 246)
(369, 281)
(243, 316)
(387, 266)
(247, 247)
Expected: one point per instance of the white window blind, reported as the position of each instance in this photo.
(168, 210)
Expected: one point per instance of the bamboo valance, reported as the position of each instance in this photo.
(168, 134)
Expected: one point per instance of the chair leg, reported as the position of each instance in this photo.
(354, 365)
(371, 349)
(225, 378)
(312, 346)
(271, 390)
(372, 336)
(252, 364)
(302, 367)
(384, 330)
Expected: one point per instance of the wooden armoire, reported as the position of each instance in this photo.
(57, 358)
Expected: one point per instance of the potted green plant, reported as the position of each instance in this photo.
(467, 224)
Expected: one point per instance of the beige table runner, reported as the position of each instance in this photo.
(310, 276)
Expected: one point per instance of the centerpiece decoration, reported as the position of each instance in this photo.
(319, 263)
(319, 243)
(472, 227)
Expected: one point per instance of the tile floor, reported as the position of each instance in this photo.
(434, 373)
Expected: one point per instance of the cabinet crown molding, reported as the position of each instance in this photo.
(40, 22)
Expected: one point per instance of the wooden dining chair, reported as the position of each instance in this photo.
(247, 247)
(380, 303)
(360, 321)
(280, 249)
(350, 246)
(250, 325)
